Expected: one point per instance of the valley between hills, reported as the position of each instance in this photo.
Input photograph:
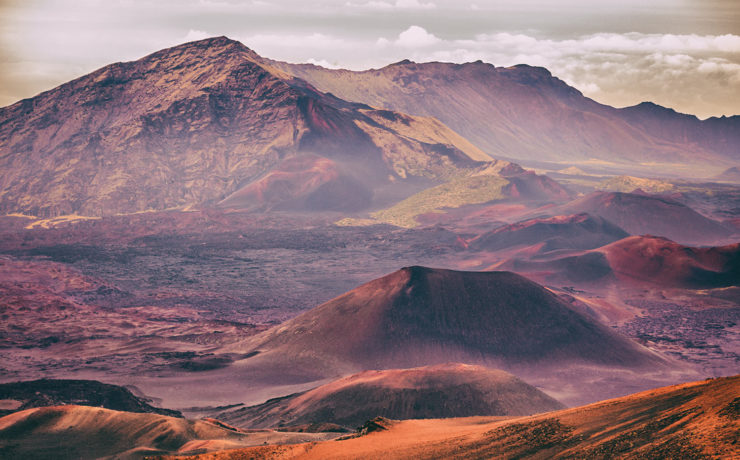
(209, 253)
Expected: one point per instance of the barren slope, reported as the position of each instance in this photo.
(419, 316)
(447, 390)
(577, 231)
(640, 214)
(525, 113)
(205, 122)
(81, 432)
(694, 420)
(642, 260)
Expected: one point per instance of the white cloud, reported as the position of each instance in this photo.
(322, 63)
(303, 44)
(194, 35)
(398, 4)
(416, 37)
(414, 4)
(697, 74)
(690, 72)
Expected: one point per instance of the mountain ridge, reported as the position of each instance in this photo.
(525, 114)
(193, 124)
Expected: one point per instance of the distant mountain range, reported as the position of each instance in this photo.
(527, 114)
(211, 123)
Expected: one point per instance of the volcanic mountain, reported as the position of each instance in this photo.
(641, 214)
(209, 122)
(692, 420)
(577, 231)
(662, 261)
(527, 114)
(447, 390)
(420, 316)
(643, 259)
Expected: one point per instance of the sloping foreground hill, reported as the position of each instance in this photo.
(642, 259)
(447, 390)
(690, 421)
(81, 432)
(208, 122)
(50, 392)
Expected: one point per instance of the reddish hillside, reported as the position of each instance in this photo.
(528, 186)
(303, 183)
(447, 390)
(420, 316)
(641, 214)
(577, 231)
(690, 421)
(642, 259)
(661, 261)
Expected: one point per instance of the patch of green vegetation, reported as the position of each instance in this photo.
(453, 194)
(629, 184)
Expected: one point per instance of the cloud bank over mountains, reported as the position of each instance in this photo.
(48, 42)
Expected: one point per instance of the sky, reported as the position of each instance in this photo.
(683, 54)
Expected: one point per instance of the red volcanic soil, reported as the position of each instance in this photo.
(641, 214)
(689, 421)
(419, 316)
(302, 183)
(661, 261)
(527, 186)
(577, 231)
(447, 390)
(642, 259)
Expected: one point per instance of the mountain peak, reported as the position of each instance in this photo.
(400, 63)
(207, 48)
(220, 41)
(416, 269)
